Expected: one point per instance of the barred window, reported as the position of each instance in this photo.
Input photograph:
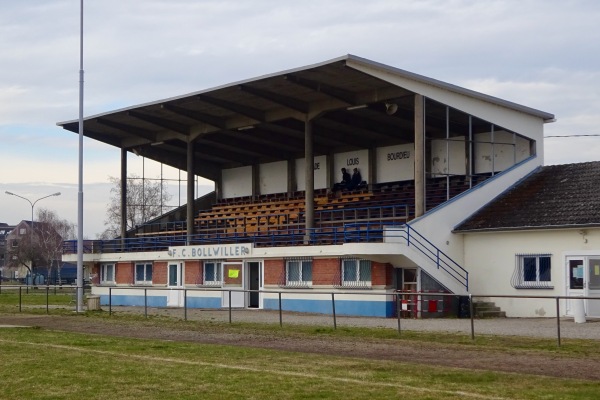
(212, 273)
(298, 272)
(143, 273)
(356, 273)
(533, 271)
(107, 273)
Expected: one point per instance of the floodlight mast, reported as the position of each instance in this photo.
(79, 307)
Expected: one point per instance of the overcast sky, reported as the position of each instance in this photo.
(540, 53)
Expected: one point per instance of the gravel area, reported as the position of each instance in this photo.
(532, 327)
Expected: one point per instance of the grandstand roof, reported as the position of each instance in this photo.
(555, 196)
(261, 120)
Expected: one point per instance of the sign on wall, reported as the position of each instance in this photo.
(207, 252)
(320, 168)
(350, 160)
(395, 163)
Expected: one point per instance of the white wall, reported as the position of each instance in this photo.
(490, 259)
(273, 177)
(320, 169)
(437, 225)
(394, 163)
(449, 156)
(508, 150)
(236, 182)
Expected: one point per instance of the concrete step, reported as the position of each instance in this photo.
(487, 309)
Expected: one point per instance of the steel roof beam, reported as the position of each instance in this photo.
(160, 122)
(196, 115)
(331, 91)
(235, 107)
(285, 101)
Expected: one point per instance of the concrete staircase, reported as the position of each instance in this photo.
(487, 309)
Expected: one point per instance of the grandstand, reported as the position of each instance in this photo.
(430, 154)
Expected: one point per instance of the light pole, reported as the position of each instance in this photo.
(32, 206)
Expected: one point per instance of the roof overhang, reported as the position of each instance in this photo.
(262, 120)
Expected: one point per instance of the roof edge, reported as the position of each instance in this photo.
(547, 117)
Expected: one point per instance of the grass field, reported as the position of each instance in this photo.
(42, 364)
(36, 363)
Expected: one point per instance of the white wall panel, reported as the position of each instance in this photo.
(450, 160)
(350, 160)
(395, 163)
(237, 182)
(273, 177)
(320, 169)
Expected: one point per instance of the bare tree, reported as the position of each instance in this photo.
(146, 199)
(42, 246)
(50, 232)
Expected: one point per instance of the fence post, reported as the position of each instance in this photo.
(558, 320)
(185, 304)
(109, 301)
(280, 316)
(333, 308)
(47, 299)
(146, 303)
(229, 305)
(471, 314)
(20, 301)
(398, 311)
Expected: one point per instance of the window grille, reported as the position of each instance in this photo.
(354, 273)
(532, 271)
(212, 273)
(298, 272)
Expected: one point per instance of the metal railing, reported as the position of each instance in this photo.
(334, 296)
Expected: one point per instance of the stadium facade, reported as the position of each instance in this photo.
(433, 157)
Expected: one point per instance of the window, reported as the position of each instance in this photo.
(533, 271)
(356, 273)
(143, 273)
(298, 273)
(107, 273)
(212, 273)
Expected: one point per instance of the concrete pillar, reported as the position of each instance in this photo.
(123, 194)
(309, 203)
(291, 177)
(419, 155)
(372, 167)
(190, 213)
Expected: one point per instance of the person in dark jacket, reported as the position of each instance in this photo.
(345, 183)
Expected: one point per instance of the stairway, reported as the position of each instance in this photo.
(487, 309)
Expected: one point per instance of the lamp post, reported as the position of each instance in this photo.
(32, 206)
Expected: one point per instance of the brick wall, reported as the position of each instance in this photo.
(381, 274)
(326, 271)
(273, 271)
(193, 272)
(124, 273)
(159, 273)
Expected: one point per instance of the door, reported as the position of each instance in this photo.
(254, 284)
(233, 279)
(593, 287)
(175, 284)
(575, 278)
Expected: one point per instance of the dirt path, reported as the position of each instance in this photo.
(419, 353)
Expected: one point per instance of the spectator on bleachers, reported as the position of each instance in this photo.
(356, 179)
(345, 183)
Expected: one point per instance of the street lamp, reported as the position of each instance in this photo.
(32, 206)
